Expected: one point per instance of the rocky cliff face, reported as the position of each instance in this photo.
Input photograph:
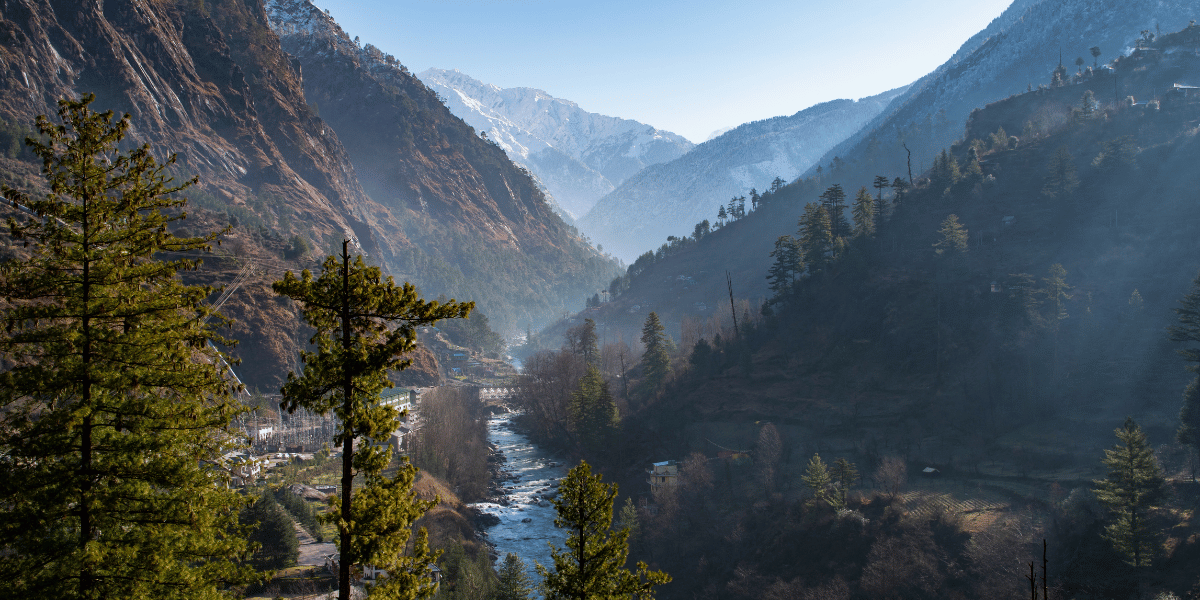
(669, 199)
(480, 228)
(210, 82)
(579, 155)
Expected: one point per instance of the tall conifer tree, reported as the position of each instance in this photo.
(593, 411)
(592, 566)
(115, 408)
(1134, 484)
(656, 361)
(864, 214)
(816, 237)
(364, 326)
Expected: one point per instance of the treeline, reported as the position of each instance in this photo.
(726, 214)
(451, 441)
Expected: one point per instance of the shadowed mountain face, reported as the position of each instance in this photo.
(578, 155)
(479, 226)
(669, 199)
(211, 83)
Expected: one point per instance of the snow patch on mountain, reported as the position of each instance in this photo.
(579, 156)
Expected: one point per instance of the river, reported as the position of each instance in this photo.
(529, 475)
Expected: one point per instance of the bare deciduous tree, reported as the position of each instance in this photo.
(891, 475)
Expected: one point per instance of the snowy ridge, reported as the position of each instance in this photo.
(669, 199)
(578, 155)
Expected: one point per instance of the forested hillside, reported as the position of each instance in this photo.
(984, 329)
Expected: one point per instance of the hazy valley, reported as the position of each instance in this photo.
(876, 348)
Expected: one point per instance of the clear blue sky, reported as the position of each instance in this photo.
(687, 67)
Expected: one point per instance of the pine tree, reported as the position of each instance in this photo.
(588, 342)
(1189, 417)
(817, 478)
(592, 566)
(864, 214)
(594, 415)
(952, 240)
(364, 326)
(656, 361)
(880, 184)
(1061, 181)
(786, 270)
(514, 582)
(843, 474)
(1134, 484)
(834, 201)
(272, 531)
(115, 410)
(901, 187)
(816, 237)
(1188, 330)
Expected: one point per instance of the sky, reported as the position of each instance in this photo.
(692, 67)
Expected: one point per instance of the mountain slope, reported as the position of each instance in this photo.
(580, 156)
(668, 199)
(1018, 50)
(480, 227)
(211, 82)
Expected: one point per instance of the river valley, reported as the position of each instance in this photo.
(527, 481)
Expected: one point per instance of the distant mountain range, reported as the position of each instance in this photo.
(668, 199)
(579, 156)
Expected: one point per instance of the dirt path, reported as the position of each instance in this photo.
(312, 552)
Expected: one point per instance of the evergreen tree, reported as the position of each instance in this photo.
(114, 407)
(880, 184)
(952, 240)
(594, 414)
(1088, 106)
(843, 474)
(777, 184)
(999, 139)
(272, 531)
(721, 215)
(592, 566)
(1189, 417)
(1188, 330)
(945, 172)
(656, 361)
(1134, 484)
(629, 520)
(834, 201)
(1095, 50)
(1061, 181)
(786, 270)
(901, 187)
(589, 347)
(514, 582)
(816, 237)
(364, 326)
(817, 478)
(864, 214)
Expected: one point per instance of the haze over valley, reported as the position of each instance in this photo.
(930, 329)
